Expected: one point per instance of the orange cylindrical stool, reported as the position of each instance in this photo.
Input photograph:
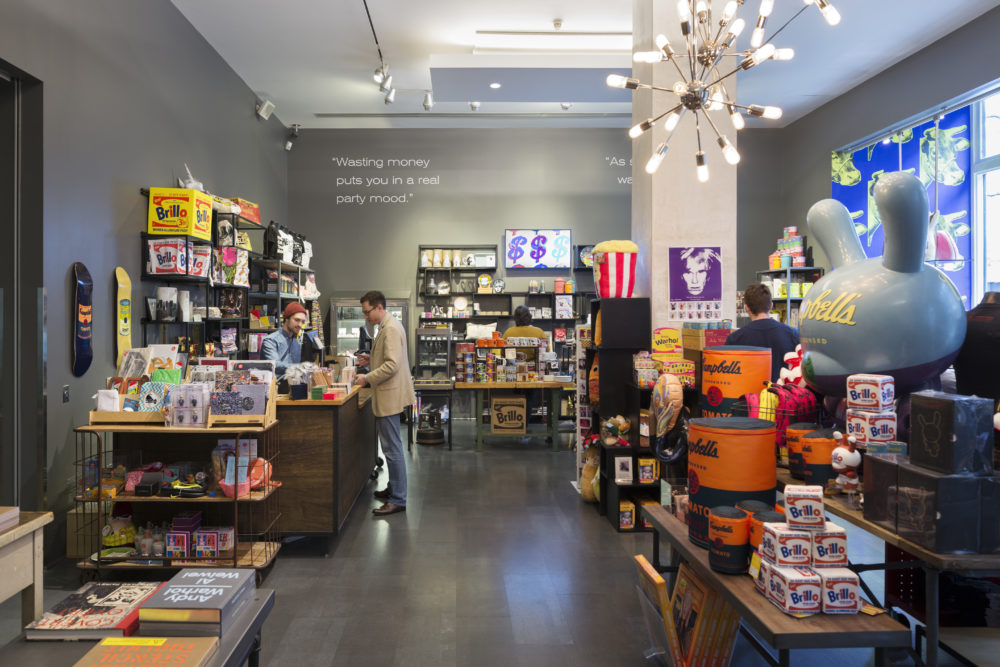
(729, 540)
(817, 453)
(757, 522)
(729, 459)
(792, 436)
(728, 372)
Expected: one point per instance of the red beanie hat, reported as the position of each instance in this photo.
(295, 307)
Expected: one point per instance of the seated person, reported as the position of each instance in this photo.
(283, 345)
(522, 325)
(762, 331)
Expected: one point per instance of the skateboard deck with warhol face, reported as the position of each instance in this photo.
(83, 320)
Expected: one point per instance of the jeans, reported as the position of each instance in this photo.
(395, 457)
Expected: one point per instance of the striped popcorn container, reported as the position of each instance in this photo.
(614, 269)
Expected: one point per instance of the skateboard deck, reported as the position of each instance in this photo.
(83, 322)
(124, 320)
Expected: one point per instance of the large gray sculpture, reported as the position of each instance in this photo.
(892, 315)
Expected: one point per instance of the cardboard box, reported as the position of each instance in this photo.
(699, 339)
(938, 512)
(874, 393)
(82, 531)
(869, 426)
(951, 434)
(174, 211)
(249, 211)
(508, 414)
(881, 481)
(840, 591)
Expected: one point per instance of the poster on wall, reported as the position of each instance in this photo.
(538, 249)
(938, 155)
(695, 283)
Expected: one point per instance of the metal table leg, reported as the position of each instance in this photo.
(479, 419)
(656, 549)
(554, 418)
(931, 613)
(451, 419)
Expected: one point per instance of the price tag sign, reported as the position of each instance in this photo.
(754, 566)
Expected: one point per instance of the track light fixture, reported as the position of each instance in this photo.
(386, 84)
(701, 87)
(474, 106)
(293, 134)
(566, 106)
(390, 96)
(428, 100)
(380, 73)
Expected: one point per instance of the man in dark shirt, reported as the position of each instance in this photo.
(762, 330)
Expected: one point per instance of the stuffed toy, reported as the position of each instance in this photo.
(591, 466)
(846, 459)
(118, 531)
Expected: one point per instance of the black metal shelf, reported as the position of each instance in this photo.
(173, 278)
(474, 318)
(462, 269)
(146, 320)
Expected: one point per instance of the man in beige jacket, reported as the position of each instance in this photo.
(392, 386)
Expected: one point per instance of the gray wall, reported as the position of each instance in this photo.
(131, 93)
(760, 201)
(958, 63)
(490, 179)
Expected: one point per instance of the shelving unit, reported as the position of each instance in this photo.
(254, 517)
(629, 332)
(784, 304)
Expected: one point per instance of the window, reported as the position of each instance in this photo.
(986, 194)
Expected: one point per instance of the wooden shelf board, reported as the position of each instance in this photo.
(253, 554)
(255, 496)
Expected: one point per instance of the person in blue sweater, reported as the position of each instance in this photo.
(762, 330)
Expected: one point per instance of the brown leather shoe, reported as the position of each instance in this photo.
(384, 494)
(388, 508)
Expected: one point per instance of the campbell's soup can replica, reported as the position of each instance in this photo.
(793, 434)
(840, 594)
(829, 546)
(804, 507)
(757, 522)
(729, 459)
(751, 507)
(180, 211)
(728, 372)
(817, 457)
(796, 590)
(728, 536)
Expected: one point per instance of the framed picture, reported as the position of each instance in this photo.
(623, 470)
(538, 249)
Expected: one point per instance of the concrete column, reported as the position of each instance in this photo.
(671, 208)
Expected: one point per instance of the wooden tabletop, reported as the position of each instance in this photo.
(774, 626)
(287, 402)
(29, 522)
(515, 385)
(160, 428)
(837, 506)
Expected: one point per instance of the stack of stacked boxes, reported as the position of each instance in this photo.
(804, 560)
(870, 415)
(943, 495)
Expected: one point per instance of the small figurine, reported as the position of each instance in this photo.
(846, 459)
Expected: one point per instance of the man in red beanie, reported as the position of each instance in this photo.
(283, 345)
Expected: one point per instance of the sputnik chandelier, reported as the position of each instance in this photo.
(702, 87)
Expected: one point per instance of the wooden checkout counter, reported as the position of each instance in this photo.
(328, 452)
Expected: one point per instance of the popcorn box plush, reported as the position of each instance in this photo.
(875, 393)
(871, 426)
(840, 594)
(179, 211)
(804, 507)
(829, 546)
(796, 590)
(792, 547)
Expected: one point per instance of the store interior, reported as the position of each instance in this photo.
(496, 560)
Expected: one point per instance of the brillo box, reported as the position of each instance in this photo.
(829, 546)
(804, 506)
(796, 590)
(871, 426)
(876, 393)
(840, 594)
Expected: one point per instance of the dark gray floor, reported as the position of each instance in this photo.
(495, 562)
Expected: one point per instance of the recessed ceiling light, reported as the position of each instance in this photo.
(494, 85)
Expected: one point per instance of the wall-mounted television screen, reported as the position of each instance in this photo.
(538, 249)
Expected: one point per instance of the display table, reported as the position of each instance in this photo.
(329, 452)
(21, 563)
(778, 629)
(552, 389)
(238, 646)
(933, 564)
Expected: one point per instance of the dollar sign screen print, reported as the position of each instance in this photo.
(538, 249)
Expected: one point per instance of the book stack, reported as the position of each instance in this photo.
(198, 602)
(99, 609)
(9, 517)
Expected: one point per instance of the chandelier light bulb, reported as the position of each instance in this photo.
(772, 113)
(807, 2)
(766, 6)
(729, 151)
(647, 57)
(757, 36)
(702, 169)
(656, 158)
(729, 11)
(639, 129)
(734, 31)
(701, 9)
(737, 118)
(784, 54)
(829, 12)
(717, 100)
(761, 54)
(671, 122)
(680, 87)
(662, 41)
(684, 10)
(619, 81)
